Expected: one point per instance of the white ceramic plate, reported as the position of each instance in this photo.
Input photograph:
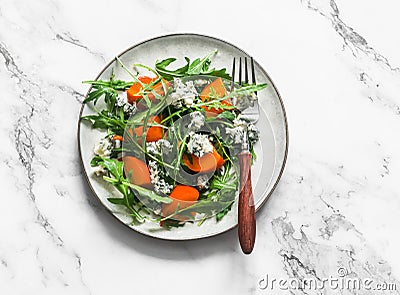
(271, 150)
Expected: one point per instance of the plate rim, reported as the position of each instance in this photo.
(177, 35)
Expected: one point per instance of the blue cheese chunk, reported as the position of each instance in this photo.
(161, 146)
(199, 144)
(197, 121)
(103, 147)
(237, 133)
(184, 93)
(159, 183)
(122, 102)
(99, 170)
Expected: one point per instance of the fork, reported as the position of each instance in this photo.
(246, 211)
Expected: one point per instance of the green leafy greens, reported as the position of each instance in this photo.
(200, 66)
(133, 195)
(217, 197)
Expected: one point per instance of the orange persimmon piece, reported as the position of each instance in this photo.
(159, 89)
(217, 89)
(118, 137)
(139, 171)
(133, 93)
(182, 195)
(207, 163)
(153, 133)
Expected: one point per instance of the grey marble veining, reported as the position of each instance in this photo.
(335, 209)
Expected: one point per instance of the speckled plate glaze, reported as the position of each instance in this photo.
(271, 149)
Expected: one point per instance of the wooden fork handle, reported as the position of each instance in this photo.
(246, 214)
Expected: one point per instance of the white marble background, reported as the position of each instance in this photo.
(336, 64)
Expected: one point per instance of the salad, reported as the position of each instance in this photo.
(172, 139)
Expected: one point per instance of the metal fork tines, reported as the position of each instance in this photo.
(247, 105)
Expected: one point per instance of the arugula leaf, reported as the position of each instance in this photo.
(209, 207)
(107, 120)
(199, 66)
(161, 68)
(227, 115)
(170, 223)
(146, 193)
(245, 90)
(114, 167)
(117, 85)
(117, 201)
(96, 161)
(108, 88)
(223, 212)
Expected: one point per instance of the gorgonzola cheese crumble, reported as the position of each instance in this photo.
(103, 147)
(128, 108)
(197, 121)
(161, 146)
(159, 183)
(199, 144)
(184, 93)
(238, 131)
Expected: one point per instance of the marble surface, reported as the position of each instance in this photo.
(336, 64)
